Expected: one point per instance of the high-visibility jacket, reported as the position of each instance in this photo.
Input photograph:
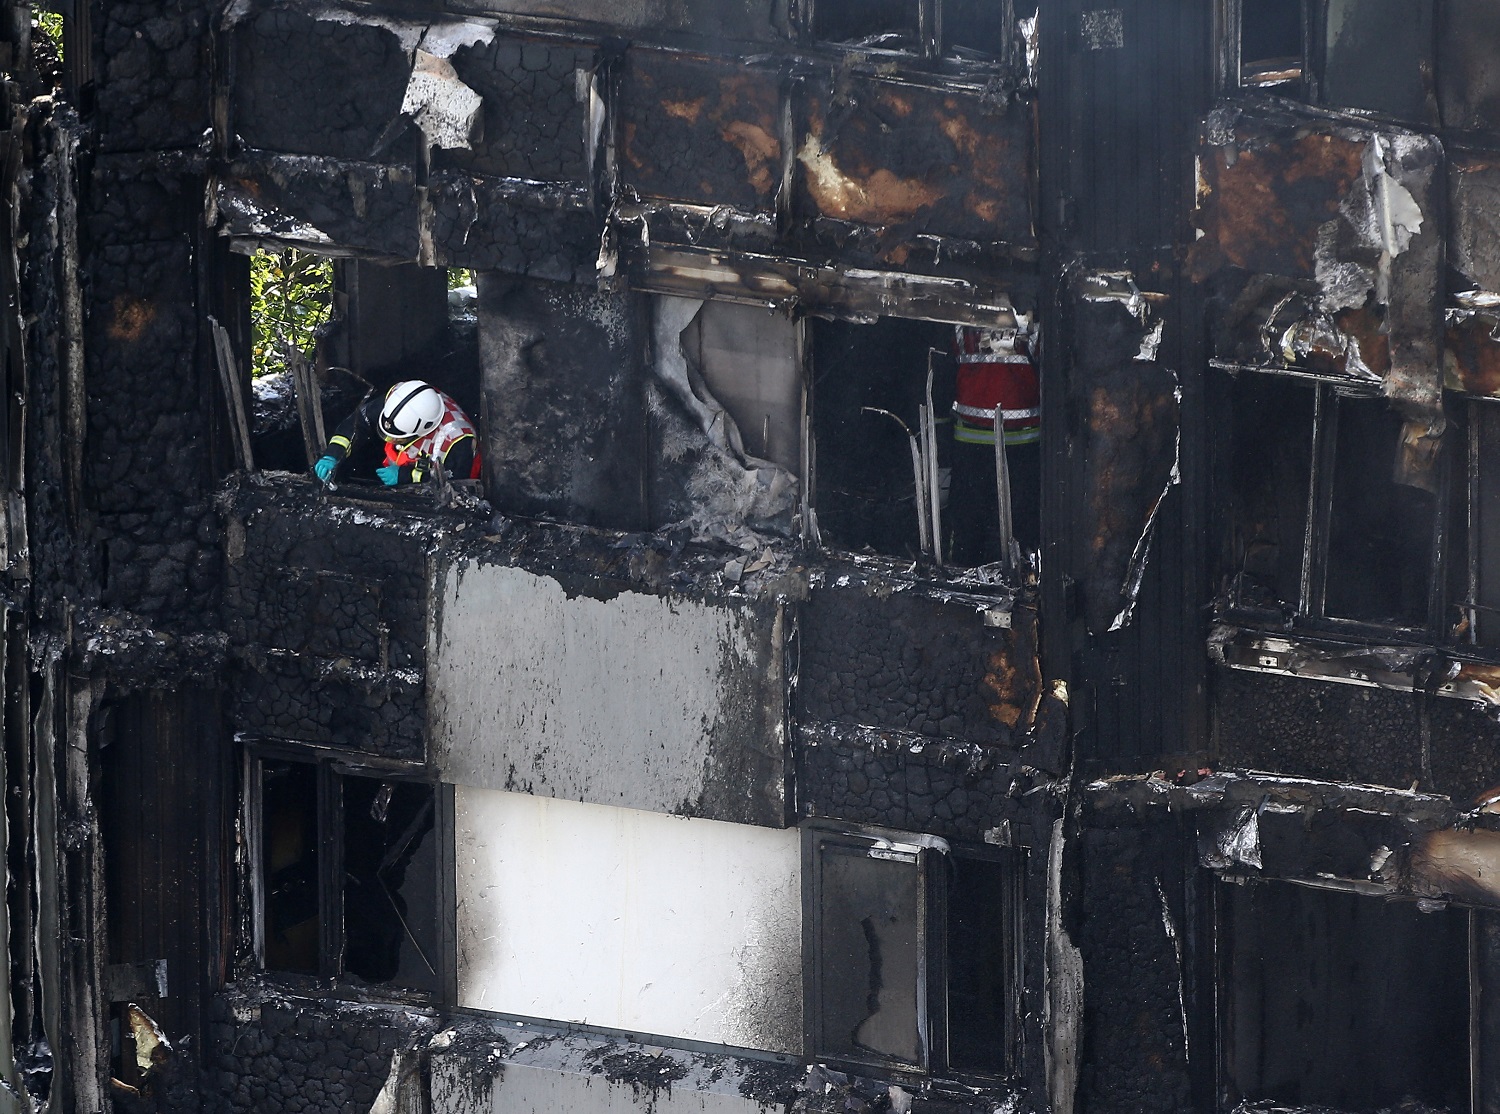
(994, 373)
(454, 443)
(453, 428)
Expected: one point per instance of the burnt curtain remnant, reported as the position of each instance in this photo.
(754, 732)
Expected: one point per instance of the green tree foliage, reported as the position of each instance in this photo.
(291, 294)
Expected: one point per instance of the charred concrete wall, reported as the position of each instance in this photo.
(327, 610)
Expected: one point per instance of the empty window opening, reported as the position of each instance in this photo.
(1270, 42)
(47, 46)
(290, 866)
(390, 880)
(915, 954)
(1319, 523)
(906, 469)
(1483, 565)
(747, 358)
(1346, 1001)
(348, 875)
(892, 24)
(1269, 462)
(1380, 542)
(981, 29)
(869, 385)
(291, 299)
(984, 935)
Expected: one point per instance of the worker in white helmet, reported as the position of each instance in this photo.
(421, 427)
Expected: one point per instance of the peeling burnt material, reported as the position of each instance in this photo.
(1351, 222)
(1130, 404)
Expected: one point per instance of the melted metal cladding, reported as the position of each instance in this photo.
(1354, 214)
(1398, 668)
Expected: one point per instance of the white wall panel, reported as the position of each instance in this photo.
(629, 920)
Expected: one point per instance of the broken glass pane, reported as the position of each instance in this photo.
(390, 883)
(870, 963)
(289, 859)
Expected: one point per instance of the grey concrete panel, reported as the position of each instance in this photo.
(654, 702)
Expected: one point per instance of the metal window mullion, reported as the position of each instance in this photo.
(1319, 503)
(1475, 444)
(1437, 565)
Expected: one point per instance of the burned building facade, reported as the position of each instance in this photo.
(688, 760)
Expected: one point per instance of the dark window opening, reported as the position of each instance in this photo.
(1483, 566)
(290, 866)
(977, 29)
(890, 24)
(1380, 541)
(390, 877)
(1346, 1001)
(348, 875)
(907, 470)
(1270, 42)
(1270, 449)
(1378, 55)
(1319, 521)
(984, 964)
(915, 955)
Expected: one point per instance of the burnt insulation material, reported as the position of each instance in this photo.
(147, 459)
(1134, 1054)
(273, 1055)
(945, 788)
(532, 122)
(309, 86)
(485, 225)
(363, 206)
(314, 700)
(1352, 733)
(154, 83)
(902, 662)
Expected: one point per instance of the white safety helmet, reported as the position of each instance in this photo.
(412, 409)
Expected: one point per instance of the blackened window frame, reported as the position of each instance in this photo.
(333, 767)
(1216, 909)
(933, 859)
(1308, 613)
(934, 41)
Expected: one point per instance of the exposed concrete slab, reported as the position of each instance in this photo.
(644, 701)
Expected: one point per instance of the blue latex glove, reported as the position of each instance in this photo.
(390, 475)
(325, 467)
